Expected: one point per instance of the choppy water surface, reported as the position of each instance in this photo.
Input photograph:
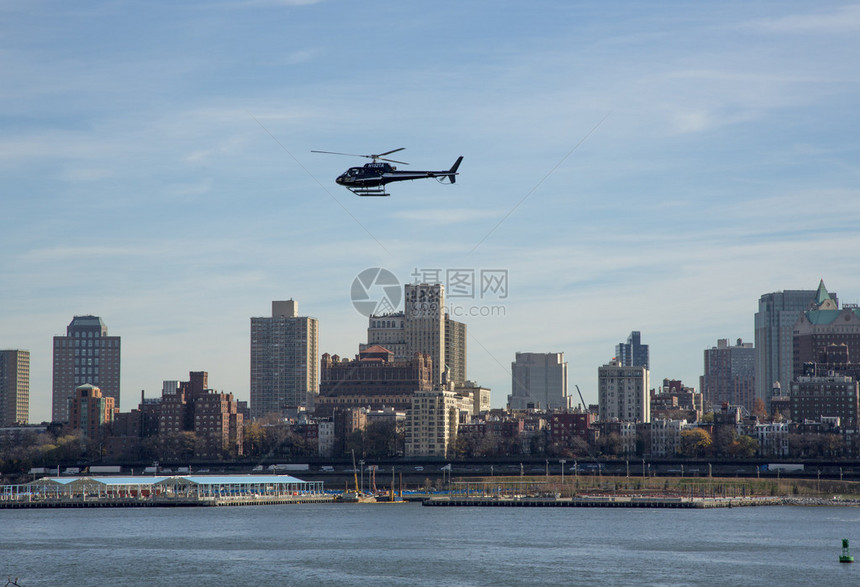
(411, 545)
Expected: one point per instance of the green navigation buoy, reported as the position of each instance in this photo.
(846, 556)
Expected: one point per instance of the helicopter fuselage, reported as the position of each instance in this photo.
(368, 175)
(370, 179)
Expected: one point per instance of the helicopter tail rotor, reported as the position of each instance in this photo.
(451, 174)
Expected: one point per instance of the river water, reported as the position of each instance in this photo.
(407, 544)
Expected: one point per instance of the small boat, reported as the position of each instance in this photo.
(390, 496)
(357, 497)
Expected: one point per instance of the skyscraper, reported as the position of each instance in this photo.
(729, 375)
(85, 355)
(774, 333)
(14, 387)
(539, 380)
(633, 353)
(455, 350)
(284, 361)
(423, 327)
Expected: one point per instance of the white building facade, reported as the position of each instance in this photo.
(431, 424)
(623, 393)
(772, 439)
(666, 437)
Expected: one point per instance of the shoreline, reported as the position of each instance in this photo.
(584, 500)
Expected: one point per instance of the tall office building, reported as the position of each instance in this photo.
(729, 375)
(633, 353)
(623, 393)
(14, 387)
(774, 334)
(86, 355)
(539, 380)
(284, 361)
(455, 350)
(423, 327)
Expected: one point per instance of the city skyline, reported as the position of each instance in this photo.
(496, 401)
(631, 167)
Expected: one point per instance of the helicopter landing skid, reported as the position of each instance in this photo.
(374, 191)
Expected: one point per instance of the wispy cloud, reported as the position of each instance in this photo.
(281, 2)
(445, 216)
(64, 252)
(85, 174)
(301, 56)
(843, 19)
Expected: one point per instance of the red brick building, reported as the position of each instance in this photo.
(373, 380)
(90, 413)
(212, 416)
(831, 396)
(564, 427)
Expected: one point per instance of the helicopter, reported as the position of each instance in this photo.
(370, 179)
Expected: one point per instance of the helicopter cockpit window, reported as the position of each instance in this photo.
(352, 172)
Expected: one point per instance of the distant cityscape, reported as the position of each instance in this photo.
(792, 393)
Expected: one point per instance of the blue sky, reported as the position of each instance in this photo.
(633, 166)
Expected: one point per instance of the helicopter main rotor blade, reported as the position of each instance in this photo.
(389, 153)
(380, 156)
(346, 154)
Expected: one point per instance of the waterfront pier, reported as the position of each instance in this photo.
(591, 501)
(513, 492)
(173, 491)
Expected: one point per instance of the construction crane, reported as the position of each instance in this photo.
(584, 406)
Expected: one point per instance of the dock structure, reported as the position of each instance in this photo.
(173, 491)
(589, 501)
(506, 492)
